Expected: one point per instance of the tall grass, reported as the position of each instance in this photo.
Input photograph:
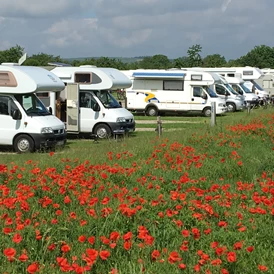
(198, 200)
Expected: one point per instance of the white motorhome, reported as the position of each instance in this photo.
(250, 75)
(238, 85)
(86, 105)
(234, 101)
(160, 91)
(25, 123)
(267, 83)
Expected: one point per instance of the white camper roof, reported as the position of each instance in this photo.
(199, 76)
(27, 79)
(234, 80)
(249, 73)
(93, 78)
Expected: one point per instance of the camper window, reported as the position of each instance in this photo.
(7, 79)
(173, 85)
(7, 106)
(83, 78)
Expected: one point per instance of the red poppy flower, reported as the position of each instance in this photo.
(104, 254)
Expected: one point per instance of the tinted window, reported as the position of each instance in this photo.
(7, 106)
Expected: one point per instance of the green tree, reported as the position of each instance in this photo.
(158, 61)
(181, 62)
(42, 59)
(11, 55)
(194, 56)
(260, 56)
(214, 60)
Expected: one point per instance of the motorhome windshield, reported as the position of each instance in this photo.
(210, 92)
(256, 85)
(229, 87)
(246, 90)
(32, 105)
(106, 99)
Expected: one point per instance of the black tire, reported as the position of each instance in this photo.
(207, 112)
(152, 111)
(23, 144)
(231, 107)
(102, 131)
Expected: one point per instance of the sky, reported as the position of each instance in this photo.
(127, 28)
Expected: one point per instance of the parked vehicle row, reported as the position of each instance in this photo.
(193, 90)
(39, 108)
(76, 100)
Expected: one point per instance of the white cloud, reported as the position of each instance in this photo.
(72, 28)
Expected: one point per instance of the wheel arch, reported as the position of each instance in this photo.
(22, 133)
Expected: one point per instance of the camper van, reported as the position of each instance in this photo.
(25, 123)
(238, 85)
(250, 75)
(87, 105)
(234, 101)
(163, 91)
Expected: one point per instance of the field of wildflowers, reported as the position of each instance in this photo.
(190, 202)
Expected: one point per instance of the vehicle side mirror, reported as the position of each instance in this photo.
(50, 110)
(16, 115)
(226, 93)
(96, 107)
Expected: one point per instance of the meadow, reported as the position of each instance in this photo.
(197, 199)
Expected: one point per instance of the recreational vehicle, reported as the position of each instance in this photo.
(238, 85)
(86, 105)
(25, 123)
(250, 76)
(162, 91)
(267, 83)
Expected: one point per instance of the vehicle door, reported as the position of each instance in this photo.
(198, 99)
(72, 108)
(8, 126)
(88, 117)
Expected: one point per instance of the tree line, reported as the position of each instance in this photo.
(260, 56)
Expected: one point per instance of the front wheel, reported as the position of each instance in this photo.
(102, 131)
(23, 143)
(231, 107)
(152, 111)
(207, 112)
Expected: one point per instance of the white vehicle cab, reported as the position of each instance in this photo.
(162, 91)
(86, 105)
(25, 123)
(234, 101)
(250, 75)
(238, 85)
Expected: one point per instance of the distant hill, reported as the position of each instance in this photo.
(122, 59)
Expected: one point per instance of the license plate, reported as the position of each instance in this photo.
(60, 143)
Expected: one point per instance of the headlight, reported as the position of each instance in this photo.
(46, 130)
(121, 120)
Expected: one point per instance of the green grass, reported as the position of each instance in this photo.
(216, 183)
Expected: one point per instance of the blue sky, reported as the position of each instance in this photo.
(124, 28)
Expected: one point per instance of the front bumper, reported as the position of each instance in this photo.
(49, 140)
(120, 127)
